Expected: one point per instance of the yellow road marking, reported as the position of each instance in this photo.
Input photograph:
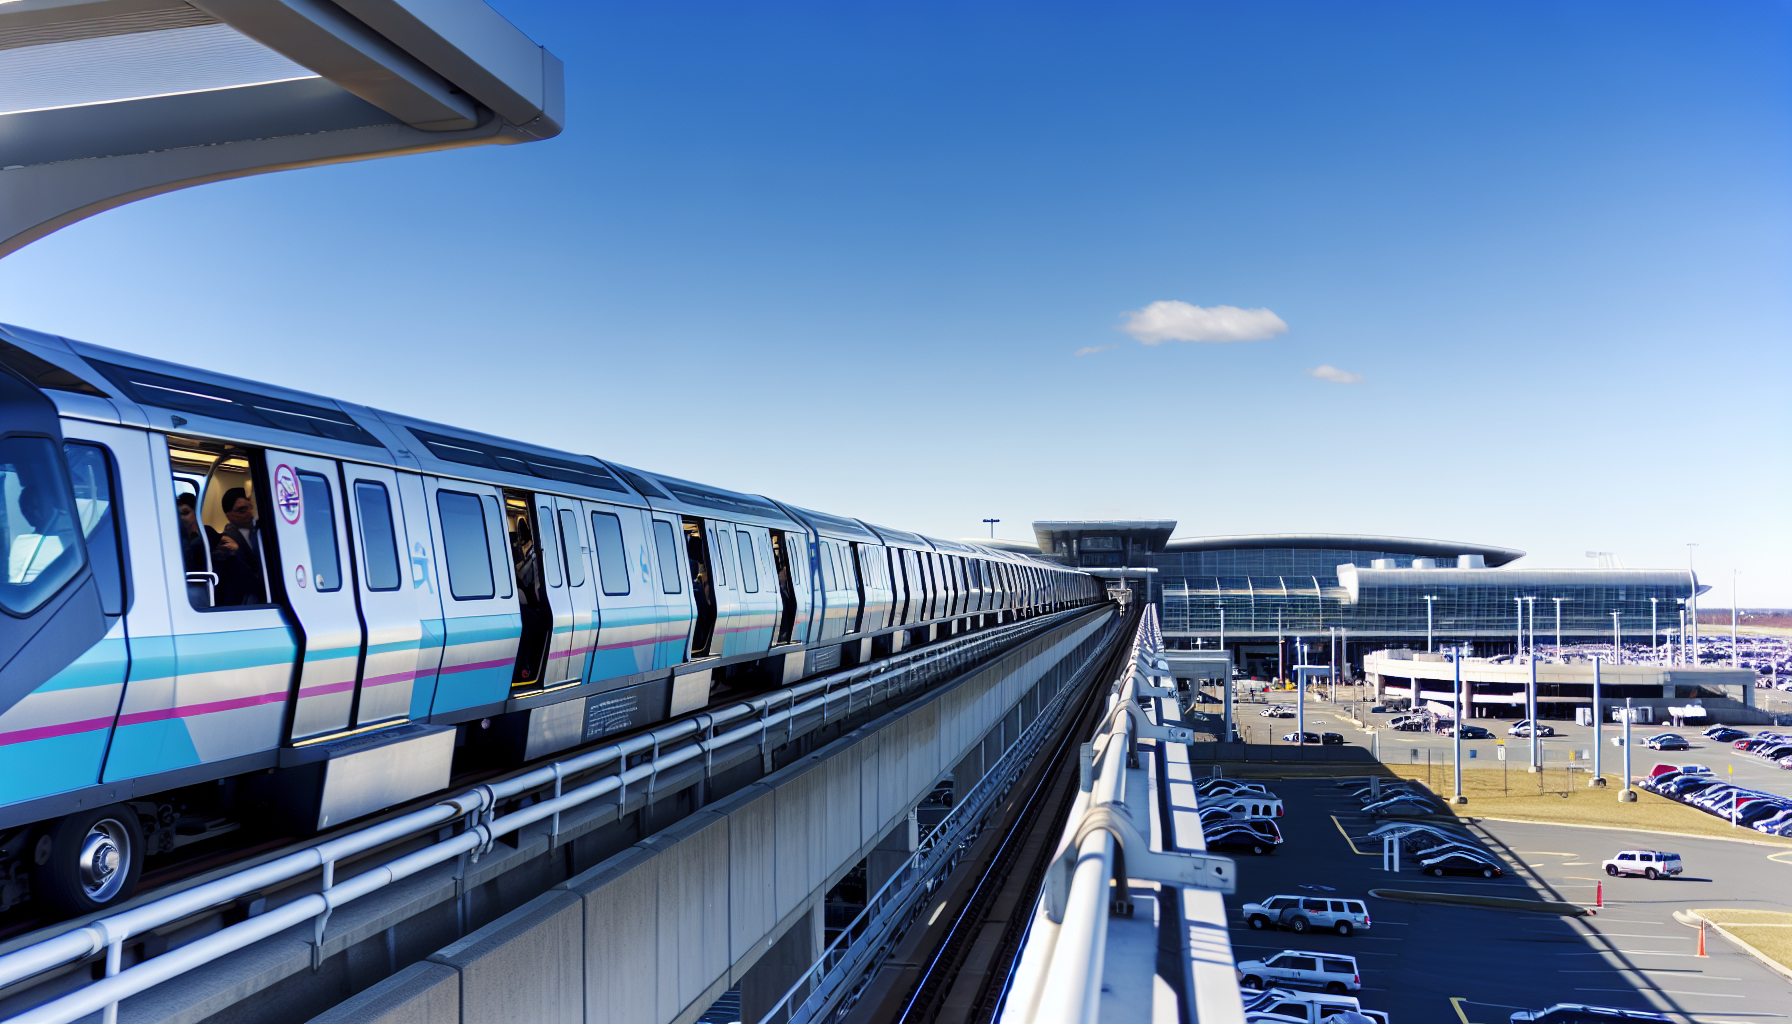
(1347, 839)
(1456, 1004)
(1778, 856)
(1545, 853)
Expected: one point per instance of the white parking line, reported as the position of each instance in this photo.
(1666, 991)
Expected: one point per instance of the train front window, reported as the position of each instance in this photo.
(37, 520)
(90, 470)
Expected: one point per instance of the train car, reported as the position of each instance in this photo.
(228, 602)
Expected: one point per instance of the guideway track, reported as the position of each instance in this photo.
(690, 743)
(967, 952)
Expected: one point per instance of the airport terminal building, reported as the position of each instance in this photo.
(1264, 595)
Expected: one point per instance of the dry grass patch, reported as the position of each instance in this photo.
(1552, 797)
(1769, 931)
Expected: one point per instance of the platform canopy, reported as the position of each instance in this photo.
(106, 101)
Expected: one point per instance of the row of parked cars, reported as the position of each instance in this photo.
(1238, 815)
(1769, 746)
(1697, 786)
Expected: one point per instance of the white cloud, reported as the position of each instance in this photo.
(1089, 350)
(1335, 375)
(1179, 321)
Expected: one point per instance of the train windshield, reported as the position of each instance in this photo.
(38, 523)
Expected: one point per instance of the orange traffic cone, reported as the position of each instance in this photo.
(1599, 895)
(1701, 936)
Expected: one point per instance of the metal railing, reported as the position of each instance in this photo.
(830, 987)
(1057, 978)
(698, 736)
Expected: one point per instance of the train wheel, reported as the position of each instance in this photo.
(94, 859)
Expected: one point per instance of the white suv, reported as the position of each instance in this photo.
(1281, 1006)
(1648, 863)
(1330, 971)
(1304, 913)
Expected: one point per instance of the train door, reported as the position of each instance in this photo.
(787, 610)
(569, 661)
(703, 587)
(729, 610)
(629, 607)
(531, 541)
(677, 612)
(482, 622)
(392, 610)
(758, 589)
(308, 520)
(213, 682)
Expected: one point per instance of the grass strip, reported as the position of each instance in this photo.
(1764, 934)
(1492, 902)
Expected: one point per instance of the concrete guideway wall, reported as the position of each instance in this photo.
(654, 934)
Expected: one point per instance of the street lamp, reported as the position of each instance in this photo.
(1693, 608)
(1518, 646)
(1558, 601)
(1430, 602)
(1456, 700)
(992, 529)
(1533, 607)
(1598, 778)
(1654, 634)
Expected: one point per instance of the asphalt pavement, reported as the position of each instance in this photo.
(1468, 965)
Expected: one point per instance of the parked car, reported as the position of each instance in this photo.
(1648, 863)
(1401, 803)
(1772, 825)
(1461, 863)
(1304, 913)
(1277, 712)
(1578, 1013)
(1668, 741)
(1760, 808)
(1224, 838)
(1305, 738)
(1724, 734)
(1523, 728)
(1248, 805)
(1333, 972)
(1412, 725)
(1223, 785)
(1663, 769)
(1469, 732)
(1331, 739)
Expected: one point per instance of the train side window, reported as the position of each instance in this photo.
(826, 558)
(90, 470)
(663, 541)
(38, 521)
(572, 551)
(718, 547)
(320, 533)
(465, 547)
(612, 559)
(749, 566)
(499, 548)
(379, 544)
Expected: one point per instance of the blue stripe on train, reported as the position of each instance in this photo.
(39, 767)
(489, 682)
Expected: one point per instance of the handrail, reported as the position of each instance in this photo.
(475, 807)
(1057, 978)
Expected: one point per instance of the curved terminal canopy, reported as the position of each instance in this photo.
(107, 101)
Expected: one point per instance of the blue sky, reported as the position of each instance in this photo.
(845, 253)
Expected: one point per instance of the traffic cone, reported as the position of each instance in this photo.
(1599, 895)
(1701, 936)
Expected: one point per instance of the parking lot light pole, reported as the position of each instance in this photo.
(1617, 641)
(1627, 795)
(1536, 755)
(1598, 728)
(1456, 694)
(1518, 645)
(1430, 602)
(1558, 601)
(1654, 634)
(1533, 609)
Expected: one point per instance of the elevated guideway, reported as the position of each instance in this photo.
(632, 883)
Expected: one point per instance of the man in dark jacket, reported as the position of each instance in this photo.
(239, 573)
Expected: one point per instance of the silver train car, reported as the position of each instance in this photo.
(227, 599)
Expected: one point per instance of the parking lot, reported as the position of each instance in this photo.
(1432, 963)
(1395, 747)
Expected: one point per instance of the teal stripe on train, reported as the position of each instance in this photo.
(482, 676)
(67, 753)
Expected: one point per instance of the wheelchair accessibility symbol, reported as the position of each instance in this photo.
(286, 494)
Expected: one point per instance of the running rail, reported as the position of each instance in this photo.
(1107, 839)
(833, 983)
(697, 736)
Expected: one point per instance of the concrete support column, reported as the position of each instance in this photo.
(889, 854)
(795, 951)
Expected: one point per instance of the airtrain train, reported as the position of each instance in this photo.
(227, 599)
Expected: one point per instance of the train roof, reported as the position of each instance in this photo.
(832, 526)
